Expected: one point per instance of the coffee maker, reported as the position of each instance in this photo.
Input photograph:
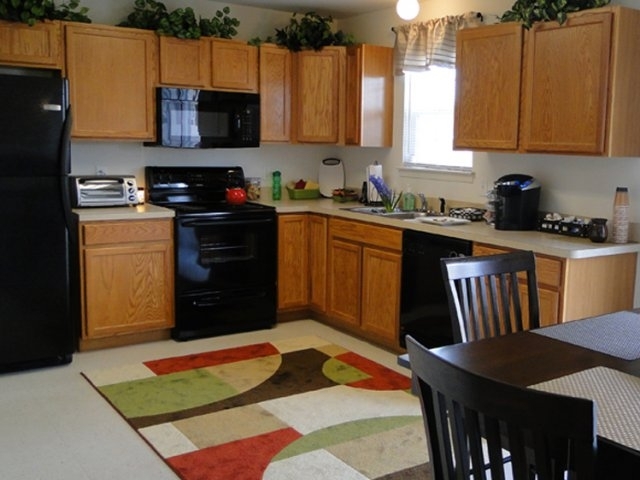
(517, 197)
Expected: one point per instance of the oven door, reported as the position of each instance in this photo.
(225, 275)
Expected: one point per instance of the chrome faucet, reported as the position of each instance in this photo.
(423, 202)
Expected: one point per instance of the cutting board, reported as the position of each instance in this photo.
(330, 176)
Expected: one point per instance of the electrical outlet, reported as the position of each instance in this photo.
(101, 171)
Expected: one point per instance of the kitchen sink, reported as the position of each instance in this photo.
(379, 211)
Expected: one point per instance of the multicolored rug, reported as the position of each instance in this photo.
(292, 409)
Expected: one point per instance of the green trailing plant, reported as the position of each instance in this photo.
(32, 11)
(530, 11)
(222, 25)
(312, 31)
(146, 15)
(181, 22)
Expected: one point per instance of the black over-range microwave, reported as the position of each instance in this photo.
(190, 118)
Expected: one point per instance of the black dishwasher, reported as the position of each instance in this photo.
(424, 308)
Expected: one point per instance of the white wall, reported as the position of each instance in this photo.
(576, 185)
(582, 186)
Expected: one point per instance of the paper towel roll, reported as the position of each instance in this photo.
(372, 193)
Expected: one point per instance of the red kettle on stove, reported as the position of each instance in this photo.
(236, 196)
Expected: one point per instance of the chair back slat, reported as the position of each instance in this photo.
(543, 435)
(485, 294)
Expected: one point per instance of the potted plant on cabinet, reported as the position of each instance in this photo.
(530, 11)
(181, 22)
(312, 31)
(32, 11)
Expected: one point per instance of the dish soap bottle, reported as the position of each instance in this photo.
(276, 190)
(620, 233)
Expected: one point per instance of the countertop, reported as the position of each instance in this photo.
(543, 243)
(144, 211)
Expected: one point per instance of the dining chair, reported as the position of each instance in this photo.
(485, 297)
(472, 421)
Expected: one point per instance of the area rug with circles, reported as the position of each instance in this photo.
(302, 408)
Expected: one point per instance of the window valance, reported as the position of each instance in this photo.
(419, 45)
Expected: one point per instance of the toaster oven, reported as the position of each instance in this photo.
(103, 191)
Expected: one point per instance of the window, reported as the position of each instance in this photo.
(428, 121)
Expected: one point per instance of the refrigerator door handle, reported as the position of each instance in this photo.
(51, 107)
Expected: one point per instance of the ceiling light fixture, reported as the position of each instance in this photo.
(408, 9)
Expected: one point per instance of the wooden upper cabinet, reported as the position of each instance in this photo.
(488, 66)
(319, 95)
(369, 96)
(210, 63)
(577, 85)
(185, 62)
(112, 76)
(38, 46)
(275, 93)
(234, 65)
(567, 83)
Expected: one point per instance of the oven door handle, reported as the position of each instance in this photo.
(219, 223)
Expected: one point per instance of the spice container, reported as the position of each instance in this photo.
(620, 230)
(252, 185)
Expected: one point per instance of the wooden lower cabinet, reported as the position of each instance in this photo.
(571, 289)
(293, 262)
(302, 263)
(363, 279)
(126, 281)
(345, 280)
(318, 228)
(381, 273)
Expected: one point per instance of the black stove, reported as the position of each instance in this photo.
(225, 255)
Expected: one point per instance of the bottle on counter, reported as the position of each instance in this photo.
(276, 189)
(620, 230)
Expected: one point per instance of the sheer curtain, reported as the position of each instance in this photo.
(419, 45)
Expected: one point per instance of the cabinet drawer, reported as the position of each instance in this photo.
(366, 233)
(548, 270)
(101, 233)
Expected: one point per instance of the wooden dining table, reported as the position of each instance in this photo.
(594, 356)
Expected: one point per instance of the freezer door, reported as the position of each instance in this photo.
(32, 115)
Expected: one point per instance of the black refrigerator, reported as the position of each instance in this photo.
(36, 293)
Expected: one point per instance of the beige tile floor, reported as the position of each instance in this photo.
(53, 425)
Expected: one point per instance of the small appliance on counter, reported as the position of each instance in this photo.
(517, 197)
(330, 176)
(103, 191)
